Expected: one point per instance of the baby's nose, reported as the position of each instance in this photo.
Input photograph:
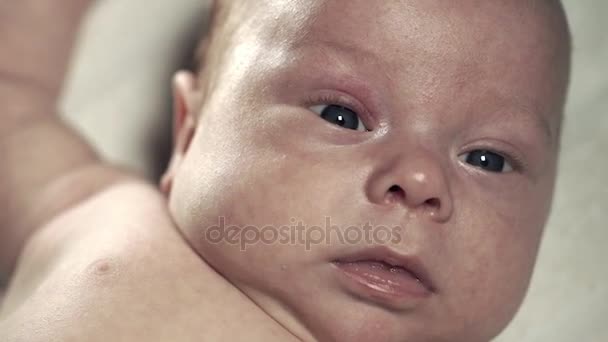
(415, 181)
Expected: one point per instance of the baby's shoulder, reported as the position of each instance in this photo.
(121, 220)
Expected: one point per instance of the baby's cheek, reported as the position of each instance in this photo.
(492, 259)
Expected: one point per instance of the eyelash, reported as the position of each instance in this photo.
(516, 162)
(341, 100)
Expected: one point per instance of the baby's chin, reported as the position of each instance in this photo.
(338, 316)
(314, 299)
(353, 320)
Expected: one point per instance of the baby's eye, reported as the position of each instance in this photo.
(340, 116)
(488, 161)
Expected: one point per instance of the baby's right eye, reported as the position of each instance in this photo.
(341, 116)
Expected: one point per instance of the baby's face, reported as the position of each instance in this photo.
(440, 118)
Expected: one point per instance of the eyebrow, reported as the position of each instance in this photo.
(345, 47)
(545, 126)
(541, 122)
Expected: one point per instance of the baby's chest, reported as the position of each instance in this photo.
(128, 279)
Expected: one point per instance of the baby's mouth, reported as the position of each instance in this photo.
(383, 276)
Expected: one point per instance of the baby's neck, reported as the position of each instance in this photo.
(273, 320)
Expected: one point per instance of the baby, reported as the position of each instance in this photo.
(342, 171)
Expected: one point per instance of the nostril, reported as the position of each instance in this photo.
(395, 194)
(433, 202)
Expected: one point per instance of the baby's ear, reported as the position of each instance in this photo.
(185, 104)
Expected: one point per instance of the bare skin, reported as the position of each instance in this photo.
(131, 279)
(252, 149)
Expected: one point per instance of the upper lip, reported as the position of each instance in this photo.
(387, 255)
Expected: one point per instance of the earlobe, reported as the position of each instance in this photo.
(184, 124)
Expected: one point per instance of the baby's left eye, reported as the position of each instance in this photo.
(340, 116)
(488, 161)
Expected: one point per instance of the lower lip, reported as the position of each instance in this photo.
(375, 281)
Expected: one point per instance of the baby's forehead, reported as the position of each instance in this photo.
(285, 16)
(519, 44)
(468, 30)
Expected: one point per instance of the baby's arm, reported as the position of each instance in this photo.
(45, 166)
